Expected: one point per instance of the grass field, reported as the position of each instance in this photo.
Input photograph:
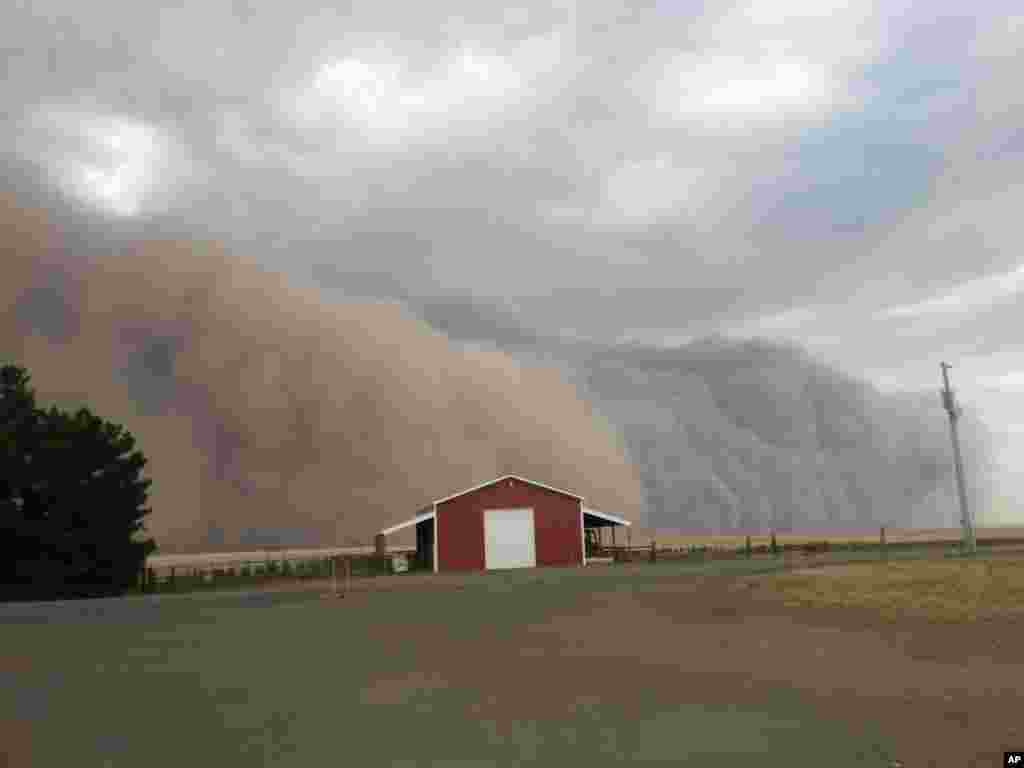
(639, 537)
(674, 663)
(454, 677)
(642, 537)
(952, 591)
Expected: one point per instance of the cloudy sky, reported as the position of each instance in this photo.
(847, 175)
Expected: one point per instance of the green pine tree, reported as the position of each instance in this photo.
(72, 500)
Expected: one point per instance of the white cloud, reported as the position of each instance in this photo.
(969, 296)
(788, 321)
(731, 83)
(1012, 382)
(721, 105)
(640, 191)
(118, 163)
(768, 61)
(1001, 40)
(377, 95)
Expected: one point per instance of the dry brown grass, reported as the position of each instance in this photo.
(640, 538)
(944, 590)
(210, 559)
(643, 537)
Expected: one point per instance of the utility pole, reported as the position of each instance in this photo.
(969, 542)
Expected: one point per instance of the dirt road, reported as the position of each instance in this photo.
(946, 696)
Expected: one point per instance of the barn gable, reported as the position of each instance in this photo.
(513, 478)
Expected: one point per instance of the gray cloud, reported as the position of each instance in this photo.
(655, 171)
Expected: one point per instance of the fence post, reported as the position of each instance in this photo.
(654, 551)
(883, 549)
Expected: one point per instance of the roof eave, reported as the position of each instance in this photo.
(509, 477)
(606, 517)
(409, 523)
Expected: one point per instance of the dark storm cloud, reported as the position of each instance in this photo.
(653, 171)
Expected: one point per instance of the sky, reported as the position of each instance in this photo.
(843, 175)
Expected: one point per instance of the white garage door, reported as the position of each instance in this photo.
(508, 538)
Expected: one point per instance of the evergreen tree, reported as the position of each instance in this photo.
(72, 500)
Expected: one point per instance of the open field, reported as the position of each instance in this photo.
(642, 537)
(268, 569)
(678, 663)
(638, 537)
(947, 590)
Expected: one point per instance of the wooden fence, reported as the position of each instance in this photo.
(186, 572)
(653, 553)
(183, 572)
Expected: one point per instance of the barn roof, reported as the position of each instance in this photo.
(427, 513)
(422, 517)
(508, 477)
(604, 516)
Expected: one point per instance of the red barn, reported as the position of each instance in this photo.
(509, 522)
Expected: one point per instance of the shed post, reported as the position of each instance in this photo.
(380, 544)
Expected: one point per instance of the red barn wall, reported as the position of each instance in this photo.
(460, 523)
(559, 537)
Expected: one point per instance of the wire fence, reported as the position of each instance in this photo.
(183, 573)
(792, 551)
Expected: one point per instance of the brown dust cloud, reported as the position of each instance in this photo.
(271, 416)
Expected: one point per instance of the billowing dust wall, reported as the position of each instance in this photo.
(269, 415)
